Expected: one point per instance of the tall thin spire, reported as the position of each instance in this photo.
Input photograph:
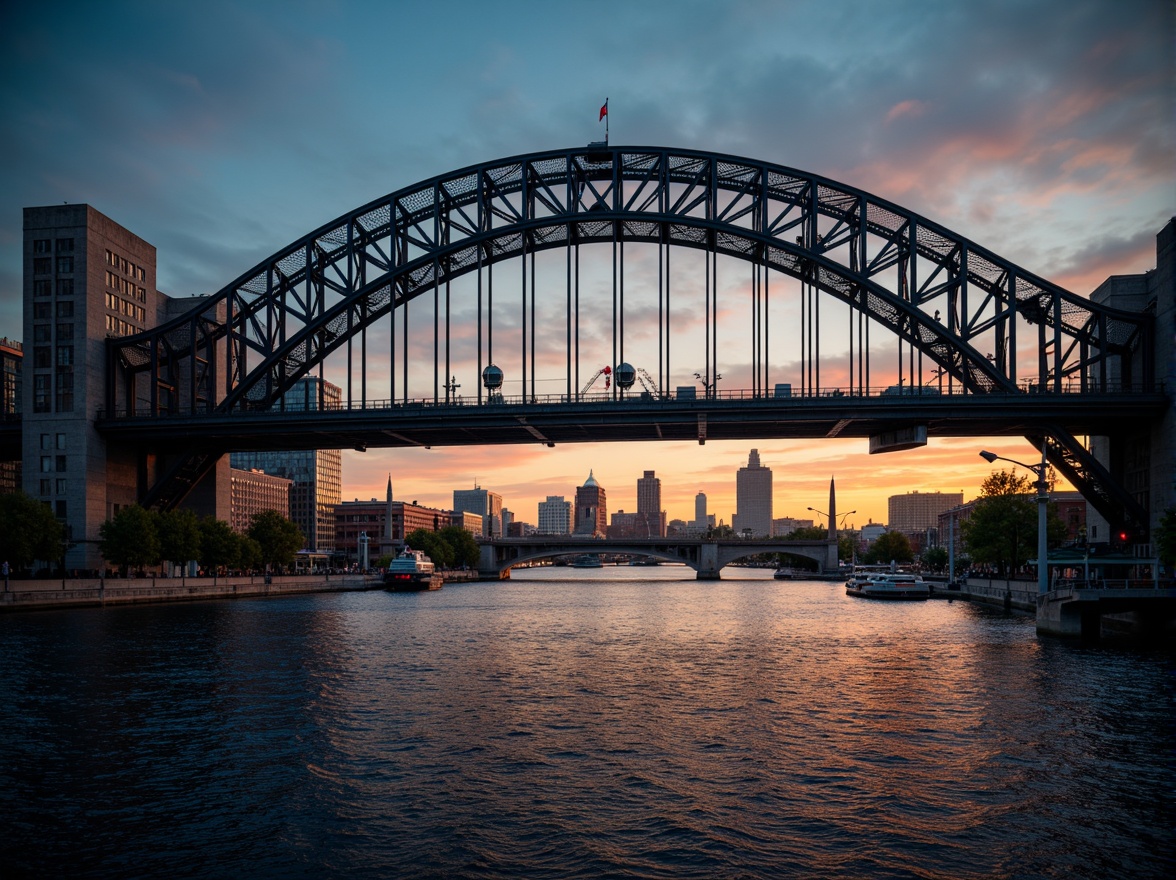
(832, 512)
(388, 511)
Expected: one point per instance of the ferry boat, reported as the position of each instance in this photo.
(412, 570)
(887, 585)
(588, 560)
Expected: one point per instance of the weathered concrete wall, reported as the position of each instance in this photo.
(43, 594)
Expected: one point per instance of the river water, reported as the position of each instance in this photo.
(620, 722)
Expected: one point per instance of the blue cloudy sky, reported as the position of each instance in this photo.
(220, 132)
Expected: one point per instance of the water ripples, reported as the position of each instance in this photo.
(564, 724)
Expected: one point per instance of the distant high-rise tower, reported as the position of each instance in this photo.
(753, 498)
(555, 516)
(591, 508)
(486, 504)
(651, 520)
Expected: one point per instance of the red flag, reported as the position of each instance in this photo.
(603, 111)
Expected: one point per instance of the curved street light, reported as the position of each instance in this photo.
(1042, 501)
(840, 516)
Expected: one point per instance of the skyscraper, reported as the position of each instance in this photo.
(591, 508)
(651, 520)
(753, 499)
(555, 516)
(486, 504)
(11, 357)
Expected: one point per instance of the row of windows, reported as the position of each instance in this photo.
(51, 463)
(44, 246)
(44, 287)
(116, 327)
(125, 287)
(43, 391)
(44, 265)
(125, 266)
(42, 356)
(48, 441)
(43, 311)
(47, 488)
(41, 334)
(122, 306)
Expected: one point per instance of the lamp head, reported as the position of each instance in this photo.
(988, 456)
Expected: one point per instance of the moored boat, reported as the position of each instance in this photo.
(412, 570)
(588, 560)
(888, 585)
(784, 573)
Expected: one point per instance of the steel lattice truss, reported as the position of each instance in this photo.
(948, 298)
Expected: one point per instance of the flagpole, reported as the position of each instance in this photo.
(606, 122)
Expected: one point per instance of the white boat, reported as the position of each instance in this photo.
(784, 573)
(412, 570)
(887, 585)
(588, 560)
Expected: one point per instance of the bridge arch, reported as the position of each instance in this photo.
(975, 316)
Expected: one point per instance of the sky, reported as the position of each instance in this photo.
(221, 132)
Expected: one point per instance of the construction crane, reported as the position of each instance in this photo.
(605, 371)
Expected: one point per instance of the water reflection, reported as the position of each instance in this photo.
(580, 723)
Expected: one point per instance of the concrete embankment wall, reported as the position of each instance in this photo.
(1021, 595)
(75, 592)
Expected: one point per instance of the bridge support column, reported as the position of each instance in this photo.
(488, 569)
(708, 562)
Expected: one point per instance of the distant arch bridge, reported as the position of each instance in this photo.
(942, 336)
(706, 557)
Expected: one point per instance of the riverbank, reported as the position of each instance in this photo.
(33, 595)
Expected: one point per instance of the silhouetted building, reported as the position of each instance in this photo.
(651, 519)
(11, 357)
(591, 508)
(753, 499)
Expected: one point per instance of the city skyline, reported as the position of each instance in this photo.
(1042, 132)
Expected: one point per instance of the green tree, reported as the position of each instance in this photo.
(278, 538)
(1002, 528)
(465, 548)
(808, 533)
(249, 555)
(432, 545)
(890, 547)
(179, 535)
(220, 546)
(28, 531)
(1165, 537)
(129, 539)
(935, 558)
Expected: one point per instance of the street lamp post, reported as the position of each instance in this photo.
(840, 516)
(1042, 501)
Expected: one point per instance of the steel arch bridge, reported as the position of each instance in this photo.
(989, 328)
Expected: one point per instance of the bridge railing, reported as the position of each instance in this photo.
(780, 395)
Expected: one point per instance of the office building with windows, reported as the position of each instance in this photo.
(591, 509)
(486, 504)
(87, 278)
(555, 516)
(651, 519)
(316, 474)
(753, 499)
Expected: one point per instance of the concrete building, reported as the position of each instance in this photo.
(555, 516)
(486, 504)
(86, 278)
(914, 512)
(386, 523)
(785, 525)
(317, 474)
(626, 525)
(651, 519)
(753, 499)
(591, 508)
(252, 492)
(1143, 460)
(11, 358)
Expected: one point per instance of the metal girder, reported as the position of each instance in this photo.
(244, 346)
